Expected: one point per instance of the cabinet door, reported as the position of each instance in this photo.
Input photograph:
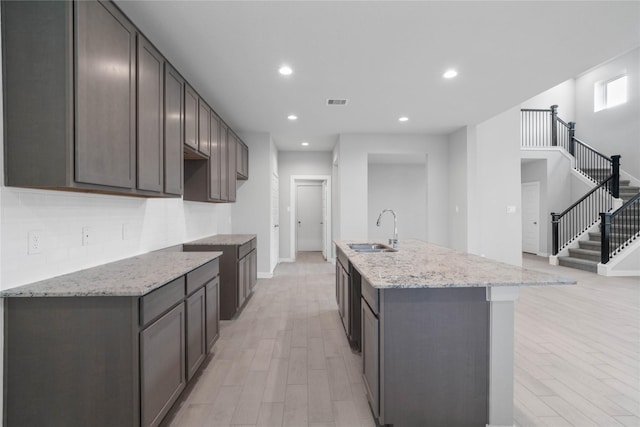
(232, 149)
(173, 130)
(196, 344)
(346, 302)
(105, 96)
(253, 271)
(150, 153)
(370, 357)
(162, 365)
(191, 101)
(212, 294)
(224, 163)
(214, 159)
(242, 279)
(204, 128)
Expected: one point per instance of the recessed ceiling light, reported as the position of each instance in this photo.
(449, 74)
(285, 70)
(292, 117)
(304, 144)
(403, 119)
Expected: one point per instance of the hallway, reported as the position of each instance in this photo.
(285, 360)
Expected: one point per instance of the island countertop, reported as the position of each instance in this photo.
(418, 264)
(134, 276)
(223, 240)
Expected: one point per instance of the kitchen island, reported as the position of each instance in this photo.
(437, 331)
(112, 345)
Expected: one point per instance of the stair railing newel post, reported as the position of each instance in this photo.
(605, 230)
(554, 125)
(555, 220)
(572, 134)
(615, 172)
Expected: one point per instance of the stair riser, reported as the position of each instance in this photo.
(589, 245)
(588, 257)
(567, 263)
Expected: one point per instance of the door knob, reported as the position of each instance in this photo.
(535, 223)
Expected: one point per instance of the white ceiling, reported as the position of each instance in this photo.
(386, 57)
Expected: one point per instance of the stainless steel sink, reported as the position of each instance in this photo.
(371, 247)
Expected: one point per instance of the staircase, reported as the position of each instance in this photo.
(587, 255)
(597, 227)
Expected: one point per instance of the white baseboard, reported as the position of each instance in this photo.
(553, 260)
(265, 275)
(287, 260)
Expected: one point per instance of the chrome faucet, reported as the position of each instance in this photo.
(394, 241)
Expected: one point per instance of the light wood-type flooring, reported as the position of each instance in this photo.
(285, 360)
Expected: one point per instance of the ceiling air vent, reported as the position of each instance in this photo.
(331, 102)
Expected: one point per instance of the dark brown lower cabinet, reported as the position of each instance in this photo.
(212, 295)
(238, 272)
(162, 365)
(107, 360)
(196, 342)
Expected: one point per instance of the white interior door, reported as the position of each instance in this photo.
(324, 219)
(309, 217)
(531, 217)
(275, 221)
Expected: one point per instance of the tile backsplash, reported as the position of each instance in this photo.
(118, 227)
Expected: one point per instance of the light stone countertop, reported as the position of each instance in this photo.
(134, 276)
(419, 264)
(223, 240)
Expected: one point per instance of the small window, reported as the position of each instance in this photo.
(609, 93)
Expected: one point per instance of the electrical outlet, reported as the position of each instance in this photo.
(34, 239)
(86, 236)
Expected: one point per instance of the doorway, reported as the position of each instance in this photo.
(531, 217)
(310, 219)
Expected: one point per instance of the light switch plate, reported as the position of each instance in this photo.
(86, 236)
(34, 242)
(511, 209)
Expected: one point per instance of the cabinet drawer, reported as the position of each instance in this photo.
(160, 300)
(370, 295)
(254, 243)
(244, 250)
(201, 275)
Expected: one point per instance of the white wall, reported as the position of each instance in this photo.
(251, 213)
(352, 204)
(494, 184)
(296, 163)
(458, 189)
(402, 188)
(562, 95)
(615, 130)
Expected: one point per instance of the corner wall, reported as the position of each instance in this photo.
(493, 182)
(352, 206)
(251, 213)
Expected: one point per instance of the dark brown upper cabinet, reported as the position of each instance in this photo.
(150, 152)
(73, 77)
(224, 162)
(191, 102)
(232, 144)
(173, 130)
(204, 128)
(242, 161)
(105, 96)
(214, 159)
